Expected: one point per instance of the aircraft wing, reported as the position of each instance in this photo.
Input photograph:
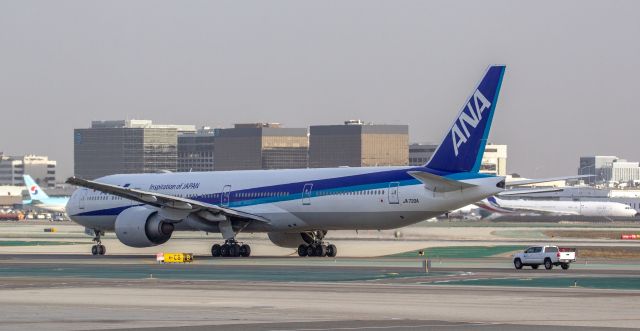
(436, 183)
(542, 180)
(529, 191)
(162, 200)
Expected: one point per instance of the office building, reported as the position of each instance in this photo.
(608, 170)
(622, 171)
(126, 146)
(261, 146)
(419, 154)
(356, 144)
(595, 167)
(196, 150)
(494, 159)
(40, 168)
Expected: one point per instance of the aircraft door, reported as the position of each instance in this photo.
(81, 199)
(393, 193)
(306, 194)
(224, 199)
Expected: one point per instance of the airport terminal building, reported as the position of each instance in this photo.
(356, 144)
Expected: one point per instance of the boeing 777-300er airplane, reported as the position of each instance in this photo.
(296, 207)
(555, 207)
(41, 200)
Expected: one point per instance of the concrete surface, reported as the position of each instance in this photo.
(64, 288)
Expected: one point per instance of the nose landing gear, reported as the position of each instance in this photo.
(98, 248)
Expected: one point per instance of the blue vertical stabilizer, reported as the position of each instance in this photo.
(462, 147)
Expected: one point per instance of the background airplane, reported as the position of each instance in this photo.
(555, 207)
(40, 199)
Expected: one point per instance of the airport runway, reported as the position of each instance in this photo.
(49, 281)
(394, 325)
(81, 292)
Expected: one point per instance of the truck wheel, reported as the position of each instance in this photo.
(565, 266)
(535, 266)
(517, 263)
(547, 264)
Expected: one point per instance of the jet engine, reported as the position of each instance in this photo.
(288, 240)
(142, 227)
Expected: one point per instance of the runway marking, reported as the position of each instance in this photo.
(384, 327)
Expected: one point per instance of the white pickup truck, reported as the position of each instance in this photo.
(534, 256)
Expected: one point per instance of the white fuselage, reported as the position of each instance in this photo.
(581, 208)
(56, 205)
(292, 200)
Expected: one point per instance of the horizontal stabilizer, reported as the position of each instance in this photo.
(437, 183)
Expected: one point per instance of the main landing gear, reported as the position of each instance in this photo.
(319, 250)
(231, 248)
(315, 246)
(98, 248)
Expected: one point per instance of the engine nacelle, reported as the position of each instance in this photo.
(288, 240)
(142, 227)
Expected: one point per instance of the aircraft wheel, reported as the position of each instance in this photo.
(101, 250)
(216, 250)
(245, 250)
(302, 250)
(224, 250)
(310, 250)
(94, 250)
(320, 250)
(332, 251)
(234, 250)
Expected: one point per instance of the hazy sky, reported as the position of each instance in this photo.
(571, 86)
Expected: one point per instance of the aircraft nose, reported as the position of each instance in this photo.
(69, 206)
